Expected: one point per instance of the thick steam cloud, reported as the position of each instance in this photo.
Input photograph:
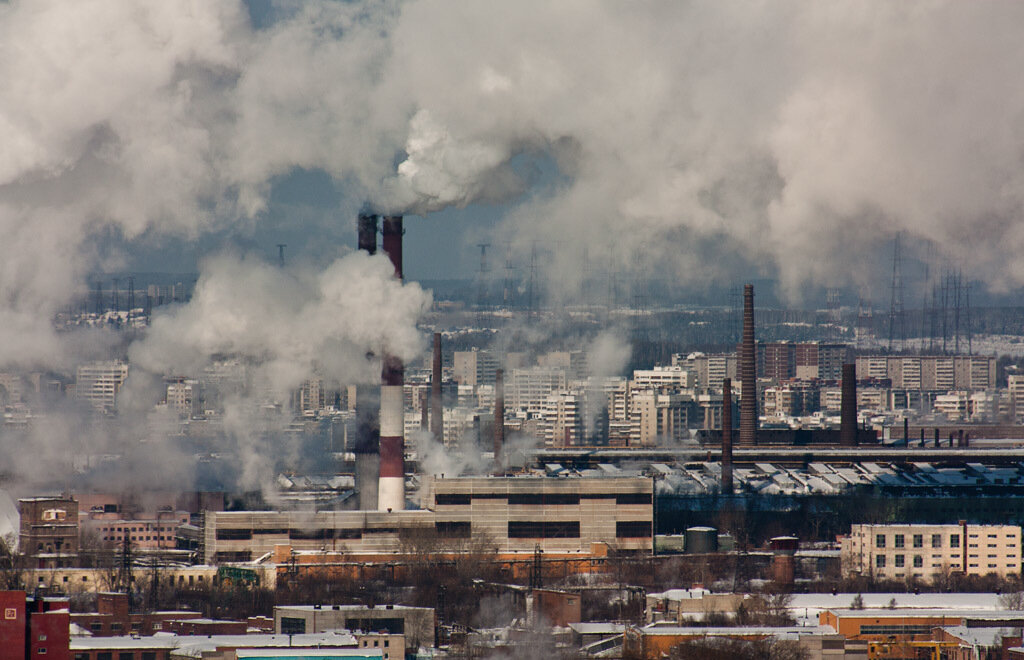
(789, 138)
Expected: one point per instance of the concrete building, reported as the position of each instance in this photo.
(663, 378)
(516, 514)
(927, 551)
(100, 382)
(182, 397)
(474, 367)
(521, 513)
(664, 417)
(528, 389)
(560, 423)
(931, 372)
(399, 626)
(708, 370)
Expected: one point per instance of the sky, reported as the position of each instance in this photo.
(697, 142)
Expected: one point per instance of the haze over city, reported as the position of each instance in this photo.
(511, 329)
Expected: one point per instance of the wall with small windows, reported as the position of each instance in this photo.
(925, 552)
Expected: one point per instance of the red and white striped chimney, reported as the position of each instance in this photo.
(391, 493)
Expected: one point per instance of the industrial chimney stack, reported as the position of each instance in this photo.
(727, 436)
(436, 403)
(499, 419)
(391, 493)
(748, 372)
(848, 407)
(367, 445)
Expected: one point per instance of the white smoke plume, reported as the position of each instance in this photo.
(789, 138)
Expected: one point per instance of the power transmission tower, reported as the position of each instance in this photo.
(833, 313)
(507, 293)
(531, 293)
(897, 325)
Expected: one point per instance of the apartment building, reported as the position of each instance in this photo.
(474, 367)
(528, 389)
(926, 551)
(930, 372)
(100, 382)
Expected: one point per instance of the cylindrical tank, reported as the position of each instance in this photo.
(701, 540)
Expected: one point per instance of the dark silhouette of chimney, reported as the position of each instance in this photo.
(848, 407)
(499, 419)
(748, 372)
(436, 403)
(727, 436)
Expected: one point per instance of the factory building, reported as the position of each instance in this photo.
(516, 514)
(925, 552)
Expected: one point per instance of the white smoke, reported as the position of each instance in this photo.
(790, 138)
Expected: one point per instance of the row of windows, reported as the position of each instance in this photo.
(917, 540)
(899, 561)
(161, 537)
(143, 528)
(542, 499)
(295, 534)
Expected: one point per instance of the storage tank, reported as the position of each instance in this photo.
(701, 540)
(784, 559)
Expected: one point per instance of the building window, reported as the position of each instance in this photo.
(633, 529)
(899, 561)
(42, 651)
(918, 561)
(918, 540)
(879, 561)
(569, 529)
(954, 540)
(880, 540)
(897, 541)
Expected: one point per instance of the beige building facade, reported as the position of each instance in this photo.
(927, 551)
(515, 514)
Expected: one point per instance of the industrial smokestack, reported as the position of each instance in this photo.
(436, 404)
(367, 445)
(499, 418)
(748, 372)
(366, 231)
(391, 493)
(727, 436)
(848, 407)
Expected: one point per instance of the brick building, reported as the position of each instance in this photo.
(33, 626)
(49, 530)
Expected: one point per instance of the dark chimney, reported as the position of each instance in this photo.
(748, 372)
(391, 241)
(848, 407)
(367, 233)
(499, 419)
(727, 436)
(436, 403)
